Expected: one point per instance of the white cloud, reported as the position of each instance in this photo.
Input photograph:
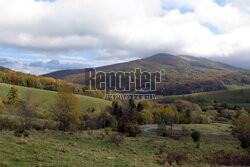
(125, 29)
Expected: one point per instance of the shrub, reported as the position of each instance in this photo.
(107, 120)
(185, 131)
(21, 132)
(88, 120)
(145, 117)
(51, 125)
(90, 132)
(178, 157)
(26, 134)
(107, 131)
(132, 129)
(228, 158)
(162, 130)
(241, 130)
(8, 124)
(117, 139)
(4, 164)
(196, 136)
(37, 125)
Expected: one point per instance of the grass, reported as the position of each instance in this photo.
(45, 98)
(235, 95)
(235, 87)
(53, 148)
(213, 126)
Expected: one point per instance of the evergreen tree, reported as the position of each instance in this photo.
(140, 107)
(13, 96)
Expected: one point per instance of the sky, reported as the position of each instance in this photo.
(40, 36)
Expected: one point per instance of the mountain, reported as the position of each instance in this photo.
(183, 67)
(237, 61)
(4, 69)
(184, 72)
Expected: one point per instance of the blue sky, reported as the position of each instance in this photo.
(40, 36)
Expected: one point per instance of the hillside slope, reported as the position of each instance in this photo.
(45, 98)
(235, 95)
(4, 69)
(183, 74)
(177, 68)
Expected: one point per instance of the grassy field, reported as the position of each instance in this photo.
(235, 95)
(235, 87)
(53, 148)
(213, 126)
(45, 98)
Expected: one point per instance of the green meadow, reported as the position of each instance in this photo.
(235, 95)
(46, 98)
(54, 148)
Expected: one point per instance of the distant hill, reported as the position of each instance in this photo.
(235, 95)
(184, 66)
(4, 69)
(32, 81)
(236, 61)
(189, 74)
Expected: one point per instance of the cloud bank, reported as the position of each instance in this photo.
(115, 30)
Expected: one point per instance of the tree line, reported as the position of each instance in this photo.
(47, 83)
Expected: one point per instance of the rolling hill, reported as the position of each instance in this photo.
(4, 69)
(235, 95)
(45, 98)
(185, 67)
(184, 74)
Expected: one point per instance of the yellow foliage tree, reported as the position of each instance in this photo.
(168, 115)
(1, 105)
(65, 110)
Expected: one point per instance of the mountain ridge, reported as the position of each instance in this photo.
(151, 63)
(183, 74)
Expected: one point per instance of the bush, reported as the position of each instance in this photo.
(21, 132)
(107, 120)
(90, 132)
(26, 134)
(8, 124)
(145, 117)
(179, 157)
(162, 130)
(196, 136)
(107, 131)
(241, 130)
(228, 158)
(117, 139)
(89, 121)
(185, 131)
(132, 129)
(51, 125)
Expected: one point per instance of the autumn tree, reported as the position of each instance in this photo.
(27, 111)
(241, 130)
(65, 111)
(168, 115)
(1, 106)
(13, 96)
